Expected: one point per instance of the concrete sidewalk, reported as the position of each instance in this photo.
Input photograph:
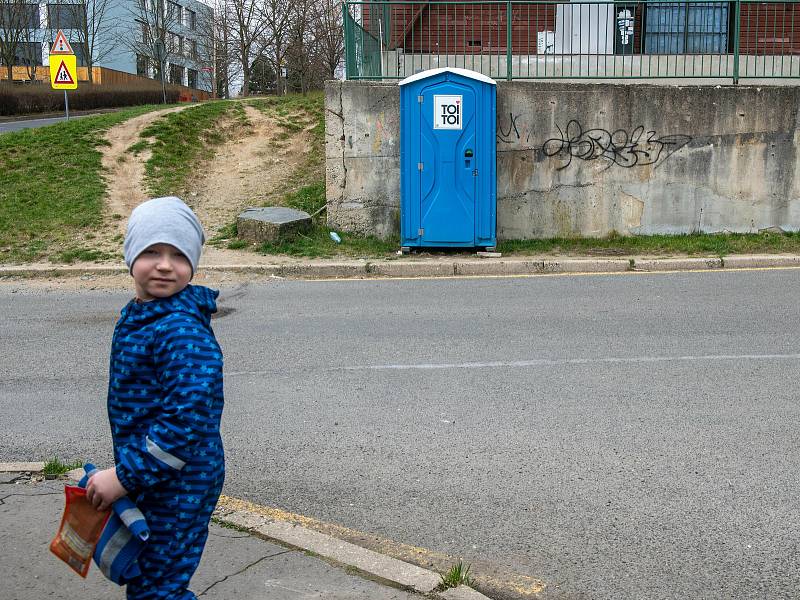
(235, 566)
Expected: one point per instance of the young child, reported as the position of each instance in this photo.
(165, 400)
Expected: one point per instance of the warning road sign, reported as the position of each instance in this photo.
(61, 45)
(64, 72)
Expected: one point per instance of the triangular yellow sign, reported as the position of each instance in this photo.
(61, 45)
(63, 75)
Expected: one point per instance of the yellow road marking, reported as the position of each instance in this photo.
(523, 585)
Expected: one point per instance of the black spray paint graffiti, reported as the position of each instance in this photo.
(635, 149)
(513, 133)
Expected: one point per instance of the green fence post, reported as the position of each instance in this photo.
(508, 41)
(737, 19)
(347, 41)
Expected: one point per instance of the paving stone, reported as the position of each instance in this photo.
(294, 576)
(235, 565)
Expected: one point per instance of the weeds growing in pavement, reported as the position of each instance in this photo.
(457, 575)
(54, 466)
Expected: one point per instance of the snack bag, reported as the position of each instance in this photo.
(80, 530)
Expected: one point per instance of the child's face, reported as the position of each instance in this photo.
(160, 271)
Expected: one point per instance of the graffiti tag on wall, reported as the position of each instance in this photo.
(637, 148)
(511, 134)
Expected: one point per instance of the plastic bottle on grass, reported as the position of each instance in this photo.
(335, 237)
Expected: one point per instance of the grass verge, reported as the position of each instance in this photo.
(696, 244)
(178, 141)
(51, 189)
(318, 244)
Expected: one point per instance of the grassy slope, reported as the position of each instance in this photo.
(51, 189)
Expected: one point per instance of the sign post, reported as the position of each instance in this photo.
(63, 68)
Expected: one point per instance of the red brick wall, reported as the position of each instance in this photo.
(770, 29)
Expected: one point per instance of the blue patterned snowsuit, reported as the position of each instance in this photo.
(164, 404)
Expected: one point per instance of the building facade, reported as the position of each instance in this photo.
(123, 35)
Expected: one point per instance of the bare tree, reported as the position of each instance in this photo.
(17, 19)
(247, 28)
(151, 36)
(328, 36)
(95, 35)
(224, 62)
(277, 38)
(29, 53)
(224, 48)
(205, 52)
(300, 42)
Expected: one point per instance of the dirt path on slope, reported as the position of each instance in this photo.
(245, 171)
(123, 171)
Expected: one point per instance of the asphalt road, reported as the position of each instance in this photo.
(7, 126)
(631, 436)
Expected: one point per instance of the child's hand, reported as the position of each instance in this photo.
(104, 488)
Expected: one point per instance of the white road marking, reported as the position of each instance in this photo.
(545, 362)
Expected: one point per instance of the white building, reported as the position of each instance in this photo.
(122, 34)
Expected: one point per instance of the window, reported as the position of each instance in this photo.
(192, 78)
(18, 16)
(191, 19)
(66, 16)
(143, 31)
(32, 16)
(174, 43)
(80, 54)
(28, 54)
(686, 28)
(192, 48)
(176, 74)
(142, 65)
(174, 12)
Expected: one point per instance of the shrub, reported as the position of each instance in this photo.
(17, 99)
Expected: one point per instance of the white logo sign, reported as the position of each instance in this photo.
(625, 25)
(447, 112)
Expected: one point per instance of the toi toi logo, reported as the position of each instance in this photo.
(447, 112)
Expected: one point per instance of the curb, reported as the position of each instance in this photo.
(483, 267)
(368, 562)
(22, 467)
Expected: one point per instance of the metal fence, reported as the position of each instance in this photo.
(534, 39)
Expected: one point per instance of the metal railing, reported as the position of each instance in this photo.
(596, 39)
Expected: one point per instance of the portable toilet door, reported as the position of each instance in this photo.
(448, 187)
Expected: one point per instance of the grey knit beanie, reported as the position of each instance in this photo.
(164, 221)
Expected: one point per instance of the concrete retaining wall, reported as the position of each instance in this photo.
(589, 159)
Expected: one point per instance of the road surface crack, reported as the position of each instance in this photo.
(4, 498)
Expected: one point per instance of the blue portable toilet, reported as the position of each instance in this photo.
(448, 185)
